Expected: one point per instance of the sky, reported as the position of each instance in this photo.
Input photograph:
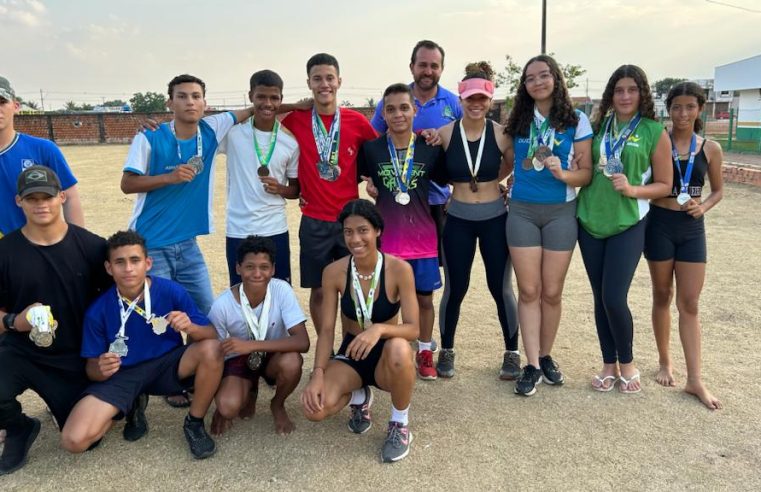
(89, 51)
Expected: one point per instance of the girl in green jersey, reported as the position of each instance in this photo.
(631, 157)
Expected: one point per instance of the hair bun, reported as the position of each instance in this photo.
(480, 69)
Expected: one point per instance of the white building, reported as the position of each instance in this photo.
(744, 78)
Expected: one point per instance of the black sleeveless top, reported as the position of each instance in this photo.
(698, 178)
(383, 309)
(457, 165)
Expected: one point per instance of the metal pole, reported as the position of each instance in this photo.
(544, 26)
(731, 120)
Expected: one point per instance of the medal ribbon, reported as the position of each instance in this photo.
(473, 169)
(684, 179)
(199, 142)
(364, 307)
(618, 145)
(403, 174)
(327, 140)
(256, 326)
(132, 306)
(541, 132)
(264, 161)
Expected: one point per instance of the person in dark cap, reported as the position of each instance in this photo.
(19, 151)
(50, 271)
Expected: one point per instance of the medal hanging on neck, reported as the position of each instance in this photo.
(684, 179)
(402, 172)
(542, 141)
(363, 307)
(327, 142)
(612, 145)
(119, 345)
(257, 327)
(473, 168)
(197, 160)
(264, 161)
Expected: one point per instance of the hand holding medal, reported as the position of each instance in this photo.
(43, 325)
(108, 364)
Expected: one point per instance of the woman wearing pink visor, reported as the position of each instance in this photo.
(474, 165)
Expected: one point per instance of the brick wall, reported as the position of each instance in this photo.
(734, 173)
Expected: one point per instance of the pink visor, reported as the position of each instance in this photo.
(469, 87)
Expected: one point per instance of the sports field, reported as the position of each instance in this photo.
(471, 432)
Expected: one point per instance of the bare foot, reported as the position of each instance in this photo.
(249, 409)
(219, 424)
(698, 389)
(665, 376)
(283, 424)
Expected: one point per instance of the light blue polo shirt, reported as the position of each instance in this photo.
(443, 108)
(175, 213)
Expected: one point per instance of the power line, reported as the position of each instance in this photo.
(734, 6)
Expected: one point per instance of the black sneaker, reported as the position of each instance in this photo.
(201, 444)
(551, 370)
(137, 425)
(511, 366)
(526, 384)
(445, 364)
(17, 444)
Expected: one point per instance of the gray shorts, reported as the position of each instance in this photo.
(551, 226)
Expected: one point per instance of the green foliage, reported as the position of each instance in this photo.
(663, 86)
(346, 104)
(510, 76)
(148, 102)
(115, 103)
(72, 106)
(370, 102)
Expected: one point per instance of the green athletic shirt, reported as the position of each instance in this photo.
(604, 212)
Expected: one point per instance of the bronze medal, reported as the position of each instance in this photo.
(526, 164)
(263, 171)
(474, 185)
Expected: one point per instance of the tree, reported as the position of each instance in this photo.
(370, 102)
(28, 104)
(346, 104)
(510, 76)
(115, 103)
(72, 106)
(663, 86)
(149, 102)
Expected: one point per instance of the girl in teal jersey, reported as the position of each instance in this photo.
(631, 157)
(675, 243)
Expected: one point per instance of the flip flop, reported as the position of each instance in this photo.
(602, 388)
(623, 387)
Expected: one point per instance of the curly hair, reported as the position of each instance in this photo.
(562, 113)
(688, 89)
(480, 69)
(646, 106)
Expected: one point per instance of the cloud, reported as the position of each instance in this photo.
(25, 13)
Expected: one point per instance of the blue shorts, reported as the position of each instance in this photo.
(153, 377)
(427, 275)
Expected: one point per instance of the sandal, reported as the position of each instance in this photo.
(624, 386)
(175, 402)
(601, 386)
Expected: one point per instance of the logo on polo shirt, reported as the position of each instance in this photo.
(633, 141)
(27, 163)
(447, 112)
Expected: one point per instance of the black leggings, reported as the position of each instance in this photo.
(610, 264)
(459, 241)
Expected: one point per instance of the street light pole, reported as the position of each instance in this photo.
(544, 26)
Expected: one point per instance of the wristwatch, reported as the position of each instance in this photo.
(8, 321)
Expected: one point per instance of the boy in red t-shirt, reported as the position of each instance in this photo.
(329, 139)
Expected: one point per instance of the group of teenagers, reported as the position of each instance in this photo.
(94, 326)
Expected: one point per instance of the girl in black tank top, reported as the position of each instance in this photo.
(375, 350)
(675, 241)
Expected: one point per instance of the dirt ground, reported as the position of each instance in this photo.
(470, 432)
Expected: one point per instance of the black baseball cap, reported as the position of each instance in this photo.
(38, 179)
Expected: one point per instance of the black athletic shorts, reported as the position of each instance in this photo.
(365, 368)
(321, 243)
(153, 377)
(674, 235)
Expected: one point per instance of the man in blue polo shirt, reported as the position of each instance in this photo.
(18, 152)
(436, 107)
(171, 170)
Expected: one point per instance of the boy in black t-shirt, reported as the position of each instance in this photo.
(50, 271)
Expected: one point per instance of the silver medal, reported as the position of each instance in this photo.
(540, 155)
(324, 170)
(196, 162)
(159, 324)
(613, 166)
(119, 347)
(254, 360)
(43, 326)
(683, 198)
(538, 165)
(402, 198)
